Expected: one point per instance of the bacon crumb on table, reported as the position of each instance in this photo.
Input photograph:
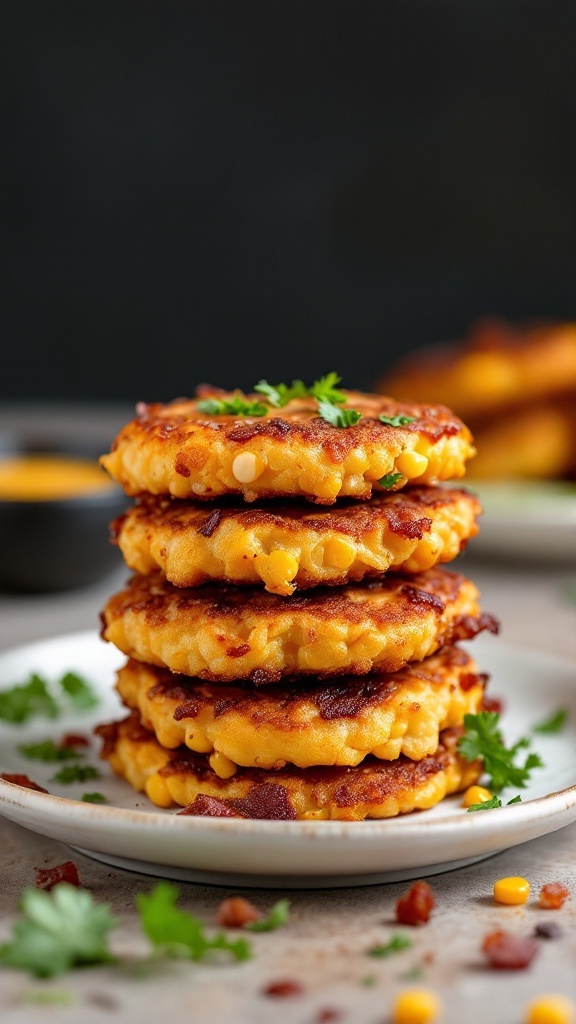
(237, 912)
(47, 878)
(416, 905)
(287, 987)
(508, 952)
(548, 930)
(553, 895)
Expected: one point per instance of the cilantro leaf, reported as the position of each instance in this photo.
(237, 406)
(555, 723)
(79, 693)
(24, 701)
(483, 739)
(390, 480)
(338, 417)
(49, 751)
(395, 945)
(176, 933)
(94, 798)
(58, 930)
(279, 395)
(75, 773)
(325, 389)
(396, 421)
(277, 917)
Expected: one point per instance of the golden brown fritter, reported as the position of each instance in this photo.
(536, 442)
(289, 545)
(497, 367)
(374, 789)
(224, 633)
(176, 449)
(336, 722)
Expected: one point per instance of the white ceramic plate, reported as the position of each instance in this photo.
(527, 520)
(129, 832)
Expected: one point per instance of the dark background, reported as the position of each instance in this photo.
(219, 191)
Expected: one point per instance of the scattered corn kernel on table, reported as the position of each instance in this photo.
(319, 962)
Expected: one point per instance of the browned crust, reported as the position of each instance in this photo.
(280, 704)
(403, 513)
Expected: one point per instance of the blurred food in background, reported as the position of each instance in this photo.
(514, 386)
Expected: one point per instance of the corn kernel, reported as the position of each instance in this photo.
(476, 795)
(511, 890)
(411, 464)
(157, 791)
(550, 1009)
(339, 553)
(416, 1006)
(247, 467)
(277, 570)
(222, 765)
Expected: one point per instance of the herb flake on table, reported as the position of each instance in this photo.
(277, 918)
(177, 933)
(483, 739)
(58, 930)
(396, 944)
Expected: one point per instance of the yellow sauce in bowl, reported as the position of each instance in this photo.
(50, 478)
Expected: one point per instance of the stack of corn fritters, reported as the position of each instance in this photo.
(291, 636)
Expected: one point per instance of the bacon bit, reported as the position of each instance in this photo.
(507, 952)
(236, 912)
(553, 895)
(328, 1014)
(209, 807)
(492, 704)
(74, 739)
(47, 878)
(282, 989)
(416, 905)
(548, 930)
(22, 780)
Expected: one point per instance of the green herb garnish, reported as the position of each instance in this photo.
(59, 930)
(483, 739)
(390, 480)
(325, 390)
(176, 933)
(277, 917)
(279, 395)
(397, 943)
(338, 417)
(555, 723)
(94, 798)
(26, 700)
(78, 692)
(75, 773)
(49, 751)
(493, 803)
(237, 406)
(396, 421)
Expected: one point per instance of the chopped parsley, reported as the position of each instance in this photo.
(325, 390)
(390, 480)
(278, 395)
(277, 917)
(338, 417)
(493, 803)
(176, 933)
(94, 798)
(555, 723)
(36, 697)
(75, 773)
(397, 943)
(482, 739)
(396, 421)
(49, 751)
(237, 406)
(60, 929)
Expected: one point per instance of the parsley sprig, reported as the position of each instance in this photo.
(278, 395)
(492, 803)
(397, 943)
(326, 392)
(49, 751)
(176, 933)
(483, 739)
(396, 421)
(237, 406)
(37, 697)
(277, 917)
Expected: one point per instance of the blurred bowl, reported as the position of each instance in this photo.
(57, 543)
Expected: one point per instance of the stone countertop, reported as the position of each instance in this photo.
(324, 946)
